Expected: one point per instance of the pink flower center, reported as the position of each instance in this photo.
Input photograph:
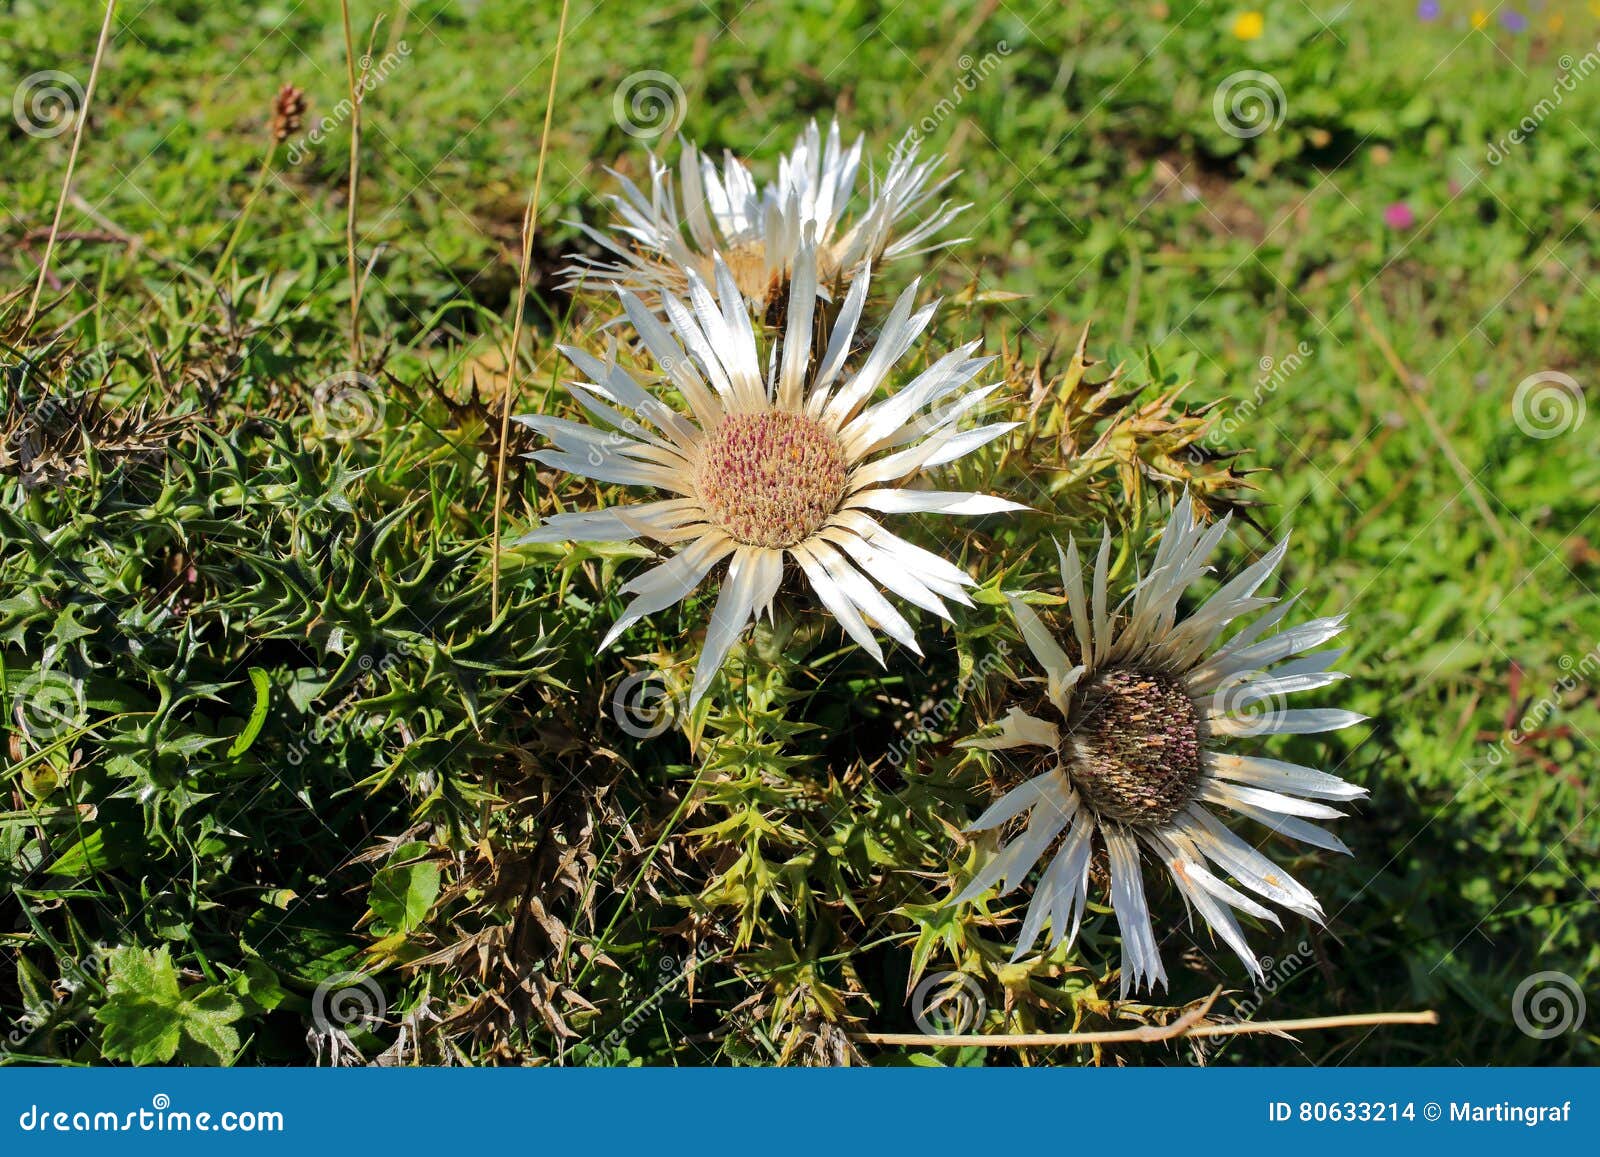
(771, 479)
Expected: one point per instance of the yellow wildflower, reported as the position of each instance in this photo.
(1249, 25)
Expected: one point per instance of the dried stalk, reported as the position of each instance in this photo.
(530, 221)
(72, 160)
(1186, 1026)
(355, 176)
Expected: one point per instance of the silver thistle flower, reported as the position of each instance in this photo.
(1137, 717)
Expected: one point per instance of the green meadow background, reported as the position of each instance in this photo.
(1317, 213)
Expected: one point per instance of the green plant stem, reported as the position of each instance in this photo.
(244, 213)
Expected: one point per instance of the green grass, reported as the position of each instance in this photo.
(1370, 372)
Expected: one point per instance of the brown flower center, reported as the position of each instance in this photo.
(1133, 749)
(771, 479)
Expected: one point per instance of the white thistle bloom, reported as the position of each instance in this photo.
(1140, 702)
(795, 463)
(759, 230)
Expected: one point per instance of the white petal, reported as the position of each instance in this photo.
(880, 422)
(767, 577)
(1290, 678)
(1309, 721)
(864, 595)
(889, 573)
(935, 572)
(607, 465)
(1279, 776)
(923, 425)
(744, 366)
(1061, 890)
(1062, 674)
(1010, 867)
(1237, 795)
(678, 367)
(1188, 875)
(1016, 801)
(899, 331)
(615, 385)
(1018, 729)
(617, 420)
(1077, 605)
(1069, 873)
(735, 605)
(797, 332)
(931, 501)
(671, 582)
(697, 341)
(1141, 966)
(1102, 624)
(1253, 870)
(839, 343)
(599, 445)
(1235, 658)
(837, 601)
(694, 198)
(1200, 630)
(1294, 829)
(1195, 862)
(615, 524)
(967, 441)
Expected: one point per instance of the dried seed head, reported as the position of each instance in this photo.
(771, 479)
(1133, 749)
(288, 112)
